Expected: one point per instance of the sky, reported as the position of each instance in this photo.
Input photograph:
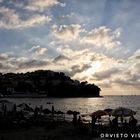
(90, 40)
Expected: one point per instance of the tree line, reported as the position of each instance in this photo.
(46, 82)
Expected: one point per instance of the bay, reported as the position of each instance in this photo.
(84, 105)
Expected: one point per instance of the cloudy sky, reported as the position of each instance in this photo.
(92, 40)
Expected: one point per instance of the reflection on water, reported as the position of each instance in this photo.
(84, 105)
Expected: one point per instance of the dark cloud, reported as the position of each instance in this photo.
(77, 69)
(60, 58)
(137, 57)
(130, 77)
(121, 61)
(31, 64)
(127, 82)
(106, 74)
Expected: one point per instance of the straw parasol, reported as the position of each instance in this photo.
(25, 106)
(108, 110)
(70, 112)
(46, 111)
(121, 111)
(99, 113)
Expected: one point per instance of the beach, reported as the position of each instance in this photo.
(57, 131)
(64, 131)
(22, 121)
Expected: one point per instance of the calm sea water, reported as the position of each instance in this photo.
(85, 105)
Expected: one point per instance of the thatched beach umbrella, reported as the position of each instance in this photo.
(25, 106)
(108, 110)
(85, 115)
(60, 112)
(123, 112)
(49, 102)
(99, 113)
(76, 112)
(46, 111)
(70, 112)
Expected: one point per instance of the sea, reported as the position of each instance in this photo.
(84, 105)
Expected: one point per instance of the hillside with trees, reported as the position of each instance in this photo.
(45, 82)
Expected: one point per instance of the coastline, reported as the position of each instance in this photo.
(45, 96)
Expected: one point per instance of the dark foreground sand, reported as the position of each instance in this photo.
(59, 131)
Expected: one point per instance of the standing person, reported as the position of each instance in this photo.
(79, 120)
(74, 119)
(133, 122)
(14, 110)
(93, 121)
(41, 109)
(52, 112)
(36, 112)
(5, 111)
(122, 119)
(115, 123)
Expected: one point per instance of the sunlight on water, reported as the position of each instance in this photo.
(85, 105)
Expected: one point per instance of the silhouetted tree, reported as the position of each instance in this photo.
(54, 84)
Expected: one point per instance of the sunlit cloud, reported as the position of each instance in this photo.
(67, 33)
(102, 37)
(10, 19)
(3, 57)
(41, 4)
(38, 50)
(93, 67)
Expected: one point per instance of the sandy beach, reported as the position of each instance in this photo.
(64, 130)
(50, 131)
(21, 122)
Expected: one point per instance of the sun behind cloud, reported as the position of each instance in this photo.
(94, 67)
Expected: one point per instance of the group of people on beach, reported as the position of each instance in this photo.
(132, 122)
(114, 123)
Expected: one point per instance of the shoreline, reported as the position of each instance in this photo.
(45, 96)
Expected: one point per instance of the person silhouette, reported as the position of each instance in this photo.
(74, 119)
(79, 120)
(133, 122)
(115, 123)
(52, 112)
(93, 121)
